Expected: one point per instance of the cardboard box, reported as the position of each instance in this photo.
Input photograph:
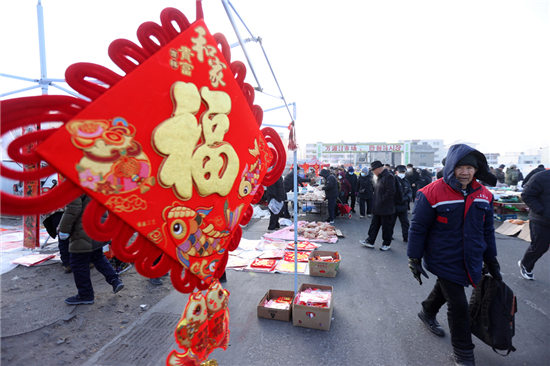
(324, 269)
(277, 314)
(502, 217)
(310, 316)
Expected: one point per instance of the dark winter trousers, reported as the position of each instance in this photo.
(404, 220)
(274, 220)
(458, 313)
(284, 210)
(362, 203)
(352, 196)
(80, 264)
(387, 230)
(540, 241)
(331, 208)
(63, 246)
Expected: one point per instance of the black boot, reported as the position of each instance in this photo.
(431, 323)
(463, 357)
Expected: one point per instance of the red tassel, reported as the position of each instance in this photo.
(292, 137)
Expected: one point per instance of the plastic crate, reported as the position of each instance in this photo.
(503, 217)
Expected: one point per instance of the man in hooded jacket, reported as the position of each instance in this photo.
(452, 229)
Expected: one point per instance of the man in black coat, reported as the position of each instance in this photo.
(536, 196)
(275, 191)
(402, 198)
(331, 193)
(365, 190)
(383, 207)
(352, 179)
(413, 176)
(538, 169)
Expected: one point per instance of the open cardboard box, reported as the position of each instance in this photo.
(271, 313)
(310, 316)
(323, 269)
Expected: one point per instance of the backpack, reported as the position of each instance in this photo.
(493, 306)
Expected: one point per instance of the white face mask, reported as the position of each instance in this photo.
(362, 174)
(401, 175)
(339, 177)
(409, 170)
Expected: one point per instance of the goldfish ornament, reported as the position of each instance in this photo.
(191, 333)
(218, 316)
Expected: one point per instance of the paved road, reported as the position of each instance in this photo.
(376, 300)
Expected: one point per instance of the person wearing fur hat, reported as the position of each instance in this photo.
(365, 192)
(352, 179)
(452, 229)
(383, 207)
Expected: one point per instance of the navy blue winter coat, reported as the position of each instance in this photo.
(454, 232)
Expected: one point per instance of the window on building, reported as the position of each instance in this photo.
(528, 162)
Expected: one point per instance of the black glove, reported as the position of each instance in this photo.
(415, 265)
(494, 268)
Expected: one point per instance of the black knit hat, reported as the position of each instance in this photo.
(469, 159)
(401, 168)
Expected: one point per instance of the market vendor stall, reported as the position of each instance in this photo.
(310, 231)
(313, 201)
(508, 204)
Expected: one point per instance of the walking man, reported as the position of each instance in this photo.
(536, 195)
(383, 207)
(452, 229)
(83, 251)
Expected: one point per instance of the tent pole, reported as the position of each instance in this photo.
(295, 158)
(228, 11)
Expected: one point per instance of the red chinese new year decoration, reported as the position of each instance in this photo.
(172, 150)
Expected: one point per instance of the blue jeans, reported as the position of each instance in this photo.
(80, 264)
(331, 208)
